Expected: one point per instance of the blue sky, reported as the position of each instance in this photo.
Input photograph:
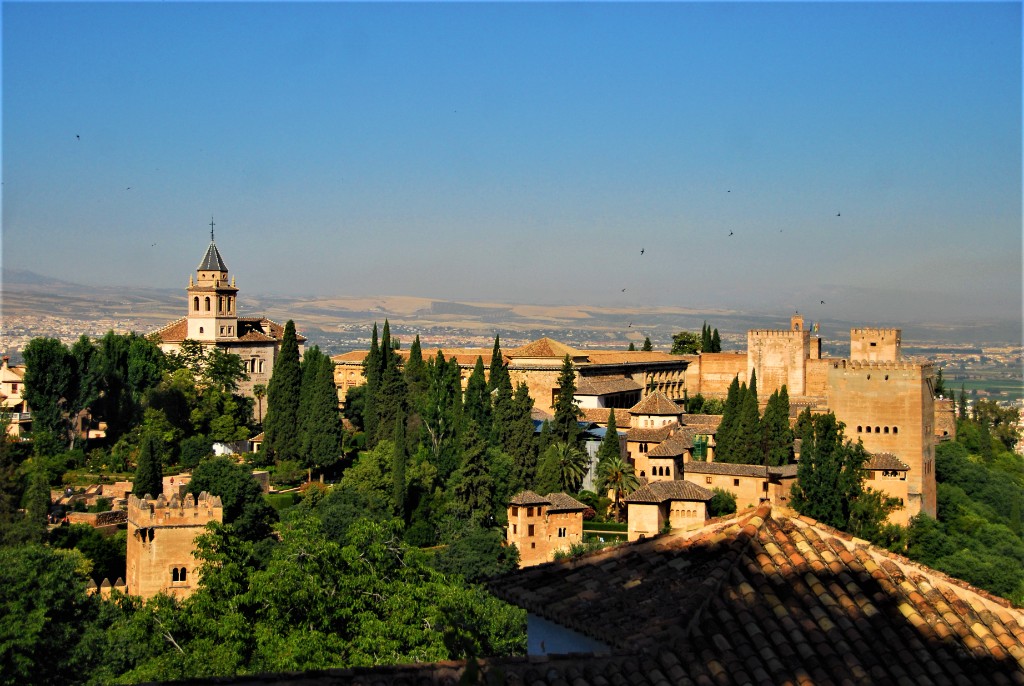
(865, 154)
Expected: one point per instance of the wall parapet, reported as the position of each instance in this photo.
(887, 365)
(175, 510)
(779, 333)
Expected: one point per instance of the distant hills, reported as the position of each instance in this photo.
(331, 321)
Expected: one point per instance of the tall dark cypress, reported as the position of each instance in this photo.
(747, 443)
(477, 400)
(498, 370)
(322, 448)
(518, 440)
(648, 346)
(149, 471)
(725, 436)
(371, 371)
(565, 426)
(705, 338)
(310, 368)
(398, 462)
(776, 435)
(716, 342)
(281, 423)
(610, 447)
(415, 371)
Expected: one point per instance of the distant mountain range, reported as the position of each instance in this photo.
(28, 293)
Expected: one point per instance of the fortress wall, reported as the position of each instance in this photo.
(779, 358)
(879, 345)
(895, 400)
(816, 379)
(714, 372)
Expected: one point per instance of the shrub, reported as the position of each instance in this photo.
(722, 503)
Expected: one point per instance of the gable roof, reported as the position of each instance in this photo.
(604, 385)
(656, 435)
(725, 468)
(886, 461)
(675, 445)
(543, 347)
(656, 403)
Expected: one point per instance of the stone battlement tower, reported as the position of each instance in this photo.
(876, 345)
(161, 542)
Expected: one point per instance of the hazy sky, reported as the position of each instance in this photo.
(865, 154)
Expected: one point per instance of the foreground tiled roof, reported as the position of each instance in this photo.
(764, 597)
(709, 422)
(656, 403)
(604, 385)
(886, 461)
(662, 491)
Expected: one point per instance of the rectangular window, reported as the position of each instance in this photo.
(707, 479)
(529, 530)
(515, 511)
(529, 512)
(514, 529)
(735, 482)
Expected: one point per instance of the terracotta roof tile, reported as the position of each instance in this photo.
(600, 415)
(675, 445)
(563, 502)
(656, 404)
(649, 435)
(886, 461)
(528, 498)
(175, 332)
(543, 347)
(726, 468)
(704, 421)
(605, 385)
(662, 491)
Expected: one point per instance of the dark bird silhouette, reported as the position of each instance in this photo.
(623, 290)
(641, 251)
(154, 245)
(822, 302)
(630, 325)
(129, 188)
(729, 191)
(838, 214)
(77, 137)
(730, 233)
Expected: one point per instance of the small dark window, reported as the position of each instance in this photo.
(707, 479)
(877, 430)
(895, 429)
(182, 574)
(515, 511)
(529, 530)
(735, 482)
(868, 429)
(885, 430)
(529, 512)
(873, 344)
(174, 574)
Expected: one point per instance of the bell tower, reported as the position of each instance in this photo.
(212, 313)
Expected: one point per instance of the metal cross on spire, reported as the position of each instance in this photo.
(211, 228)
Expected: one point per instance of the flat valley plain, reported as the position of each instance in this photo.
(985, 356)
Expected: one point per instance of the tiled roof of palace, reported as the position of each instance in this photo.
(726, 468)
(709, 422)
(786, 471)
(650, 435)
(557, 501)
(250, 329)
(886, 461)
(604, 385)
(662, 491)
(601, 415)
(676, 444)
(656, 403)
(763, 597)
(212, 261)
(543, 347)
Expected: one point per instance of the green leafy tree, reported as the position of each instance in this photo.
(647, 346)
(281, 440)
(830, 473)
(610, 447)
(477, 554)
(149, 474)
(50, 386)
(561, 468)
(245, 508)
(259, 392)
(474, 488)
(722, 503)
(442, 414)
(565, 425)
(398, 464)
(685, 343)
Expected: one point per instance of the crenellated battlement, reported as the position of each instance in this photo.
(867, 331)
(775, 333)
(882, 365)
(175, 511)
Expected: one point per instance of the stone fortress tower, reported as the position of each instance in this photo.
(161, 542)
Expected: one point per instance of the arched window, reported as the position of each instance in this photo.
(895, 429)
(877, 430)
(885, 430)
(174, 574)
(869, 429)
(195, 303)
(668, 471)
(220, 304)
(230, 303)
(860, 428)
(207, 303)
(181, 576)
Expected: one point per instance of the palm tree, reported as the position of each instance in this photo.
(616, 474)
(259, 391)
(572, 465)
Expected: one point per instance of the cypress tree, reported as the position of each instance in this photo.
(474, 488)
(322, 448)
(647, 345)
(371, 371)
(632, 348)
(830, 472)
(545, 437)
(476, 405)
(747, 437)
(392, 401)
(725, 436)
(777, 436)
(961, 405)
(518, 442)
(705, 338)
(716, 342)
(442, 414)
(281, 424)
(610, 448)
(149, 474)
(415, 372)
(498, 370)
(310, 368)
(565, 426)
(398, 462)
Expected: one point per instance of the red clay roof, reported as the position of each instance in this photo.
(543, 347)
(663, 491)
(601, 415)
(886, 461)
(604, 385)
(725, 468)
(657, 403)
(675, 445)
(649, 435)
